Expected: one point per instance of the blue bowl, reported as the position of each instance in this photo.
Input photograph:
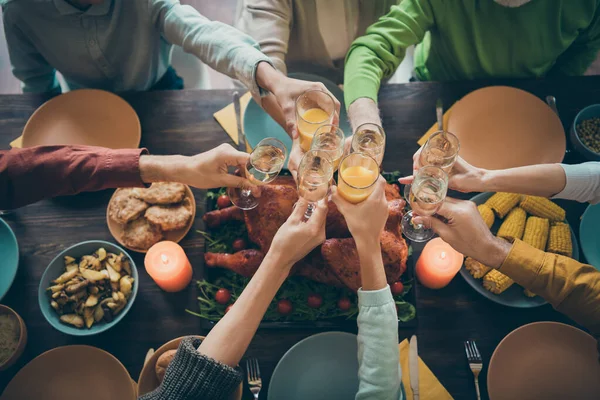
(588, 235)
(592, 111)
(57, 267)
(9, 248)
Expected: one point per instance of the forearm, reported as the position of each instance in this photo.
(32, 174)
(362, 111)
(228, 340)
(163, 168)
(372, 272)
(544, 180)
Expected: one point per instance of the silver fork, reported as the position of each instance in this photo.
(475, 362)
(254, 380)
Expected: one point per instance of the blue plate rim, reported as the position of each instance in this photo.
(16, 242)
(496, 298)
(105, 327)
(301, 342)
(587, 212)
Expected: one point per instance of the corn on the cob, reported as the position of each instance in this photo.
(513, 225)
(543, 208)
(502, 203)
(536, 232)
(496, 282)
(487, 214)
(559, 241)
(475, 268)
(529, 293)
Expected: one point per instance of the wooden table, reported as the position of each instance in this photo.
(182, 122)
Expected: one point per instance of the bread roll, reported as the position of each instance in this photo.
(163, 363)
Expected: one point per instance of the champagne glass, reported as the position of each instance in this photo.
(330, 139)
(314, 175)
(357, 176)
(369, 138)
(263, 166)
(425, 195)
(314, 108)
(440, 150)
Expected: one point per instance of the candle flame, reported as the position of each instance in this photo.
(164, 258)
(443, 255)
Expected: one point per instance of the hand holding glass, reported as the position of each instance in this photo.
(263, 166)
(330, 139)
(314, 175)
(370, 139)
(440, 150)
(314, 108)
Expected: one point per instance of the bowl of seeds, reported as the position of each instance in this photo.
(585, 132)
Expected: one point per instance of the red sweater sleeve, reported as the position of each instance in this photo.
(31, 174)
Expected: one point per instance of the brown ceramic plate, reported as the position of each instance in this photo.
(116, 229)
(545, 360)
(22, 337)
(72, 373)
(148, 380)
(86, 117)
(503, 127)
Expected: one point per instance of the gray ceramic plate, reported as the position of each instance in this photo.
(320, 367)
(513, 296)
(259, 125)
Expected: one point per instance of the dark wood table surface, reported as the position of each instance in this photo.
(182, 123)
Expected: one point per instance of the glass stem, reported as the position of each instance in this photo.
(309, 210)
(246, 192)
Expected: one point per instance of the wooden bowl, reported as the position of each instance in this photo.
(116, 229)
(148, 380)
(88, 117)
(22, 337)
(72, 373)
(503, 127)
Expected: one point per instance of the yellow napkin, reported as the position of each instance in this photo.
(434, 128)
(429, 387)
(17, 143)
(226, 118)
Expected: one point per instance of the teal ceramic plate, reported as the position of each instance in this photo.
(57, 267)
(259, 125)
(320, 367)
(589, 235)
(9, 248)
(513, 296)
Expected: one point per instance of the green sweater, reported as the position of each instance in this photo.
(471, 39)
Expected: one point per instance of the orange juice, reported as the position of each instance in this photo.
(309, 122)
(355, 183)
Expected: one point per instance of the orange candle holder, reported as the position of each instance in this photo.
(438, 264)
(168, 266)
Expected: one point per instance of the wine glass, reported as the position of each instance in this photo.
(330, 139)
(425, 195)
(369, 138)
(440, 150)
(314, 175)
(313, 109)
(263, 166)
(357, 176)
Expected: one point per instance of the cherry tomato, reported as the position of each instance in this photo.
(239, 245)
(223, 296)
(314, 300)
(397, 288)
(228, 308)
(344, 304)
(284, 307)
(223, 201)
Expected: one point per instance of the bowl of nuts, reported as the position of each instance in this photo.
(585, 132)
(88, 288)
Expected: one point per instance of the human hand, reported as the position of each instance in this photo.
(465, 231)
(297, 236)
(366, 219)
(463, 177)
(296, 155)
(210, 169)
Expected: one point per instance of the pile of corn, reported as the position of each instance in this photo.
(535, 220)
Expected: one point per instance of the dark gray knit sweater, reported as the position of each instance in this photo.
(193, 376)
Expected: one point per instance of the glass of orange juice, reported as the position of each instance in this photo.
(314, 108)
(330, 139)
(357, 176)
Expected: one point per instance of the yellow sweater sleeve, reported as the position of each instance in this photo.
(571, 287)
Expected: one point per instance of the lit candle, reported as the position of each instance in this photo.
(168, 266)
(438, 264)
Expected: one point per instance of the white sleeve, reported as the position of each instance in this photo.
(378, 354)
(583, 183)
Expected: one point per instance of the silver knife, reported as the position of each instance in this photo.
(238, 118)
(413, 367)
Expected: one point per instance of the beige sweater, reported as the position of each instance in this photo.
(287, 31)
